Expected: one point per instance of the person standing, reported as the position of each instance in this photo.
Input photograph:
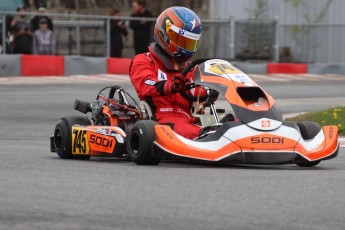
(117, 30)
(9, 25)
(142, 29)
(43, 43)
(22, 43)
(35, 20)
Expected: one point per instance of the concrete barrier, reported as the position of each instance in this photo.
(10, 65)
(75, 65)
(325, 68)
(36, 65)
(251, 68)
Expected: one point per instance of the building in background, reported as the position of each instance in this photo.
(10, 5)
(319, 42)
(304, 30)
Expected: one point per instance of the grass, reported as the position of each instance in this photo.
(334, 116)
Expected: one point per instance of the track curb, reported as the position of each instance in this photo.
(40, 65)
(342, 142)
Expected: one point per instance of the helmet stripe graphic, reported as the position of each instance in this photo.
(185, 33)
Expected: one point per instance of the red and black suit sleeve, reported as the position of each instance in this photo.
(144, 78)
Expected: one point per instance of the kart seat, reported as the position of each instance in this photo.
(147, 111)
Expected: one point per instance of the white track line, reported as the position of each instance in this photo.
(342, 142)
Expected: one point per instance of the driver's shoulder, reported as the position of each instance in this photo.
(140, 62)
(142, 58)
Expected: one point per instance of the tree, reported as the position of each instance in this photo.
(303, 33)
(260, 11)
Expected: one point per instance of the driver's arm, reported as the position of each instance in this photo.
(144, 78)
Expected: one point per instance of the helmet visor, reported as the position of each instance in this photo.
(185, 39)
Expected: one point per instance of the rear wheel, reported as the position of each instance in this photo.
(309, 130)
(63, 136)
(140, 143)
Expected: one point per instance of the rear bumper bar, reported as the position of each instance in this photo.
(52, 145)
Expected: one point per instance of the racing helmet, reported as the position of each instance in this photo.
(177, 32)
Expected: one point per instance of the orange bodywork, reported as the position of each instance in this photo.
(113, 121)
(167, 140)
(232, 95)
(97, 139)
(327, 148)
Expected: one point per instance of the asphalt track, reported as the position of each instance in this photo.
(40, 191)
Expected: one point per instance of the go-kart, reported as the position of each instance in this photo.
(254, 134)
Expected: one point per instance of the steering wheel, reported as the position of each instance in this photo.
(184, 72)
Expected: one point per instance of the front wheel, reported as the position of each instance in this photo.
(309, 130)
(63, 136)
(140, 143)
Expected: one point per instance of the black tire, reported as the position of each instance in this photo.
(309, 130)
(63, 136)
(140, 143)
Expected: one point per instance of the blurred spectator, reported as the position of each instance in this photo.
(35, 21)
(9, 23)
(142, 29)
(22, 43)
(27, 3)
(43, 43)
(117, 29)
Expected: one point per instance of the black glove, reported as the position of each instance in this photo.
(178, 84)
(214, 95)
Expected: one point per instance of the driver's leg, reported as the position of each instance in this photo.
(188, 130)
(181, 124)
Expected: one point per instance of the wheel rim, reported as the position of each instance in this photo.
(58, 138)
(135, 143)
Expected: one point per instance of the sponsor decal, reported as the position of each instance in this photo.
(240, 77)
(267, 140)
(104, 131)
(104, 142)
(266, 123)
(166, 132)
(166, 109)
(162, 76)
(181, 111)
(185, 33)
(150, 82)
(218, 61)
(330, 135)
(100, 143)
(79, 141)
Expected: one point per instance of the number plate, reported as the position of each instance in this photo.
(80, 143)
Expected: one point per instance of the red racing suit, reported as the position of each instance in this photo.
(148, 73)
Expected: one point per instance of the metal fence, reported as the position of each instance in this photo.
(256, 40)
(314, 42)
(90, 35)
(228, 39)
